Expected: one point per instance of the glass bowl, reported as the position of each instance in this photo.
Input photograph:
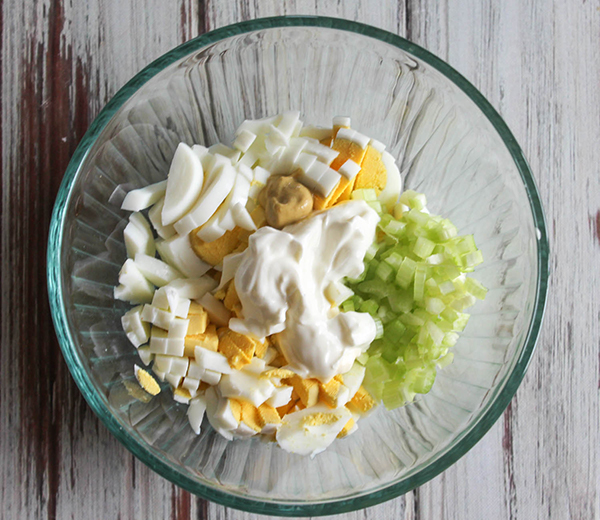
(450, 144)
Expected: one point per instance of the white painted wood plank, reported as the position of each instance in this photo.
(537, 62)
(61, 62)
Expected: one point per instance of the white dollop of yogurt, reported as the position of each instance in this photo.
(281, 282)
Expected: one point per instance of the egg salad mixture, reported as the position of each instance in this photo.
(286, 285)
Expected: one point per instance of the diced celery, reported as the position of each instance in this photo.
(413, 199)
(401, 301)
(466, 244)
(363, 358)
(378, 327)
(376, 205)
(384, 272)
(444, 231)
(376, 288)
(392, 394)
(446, 287)
(399, 210)
(357, 300)
(394, 330)
(376, 369)
(366, 194)
(423, 247)
(435, 259)
(461, 322)
(434, 305)
(370, 306)
(394, 260)
(417, 317)
(475, 288)
(411, 320)
(423, 380)
(419, 289)
(416, 216)
(405, 273)
(445, 360)
(463, 303)
(348, 305)
(450, 339)
(385, 314)
(371, 252)
(473, 259)
(435, 333)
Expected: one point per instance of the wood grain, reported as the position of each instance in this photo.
(536, 61)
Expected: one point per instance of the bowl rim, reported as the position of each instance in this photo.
(161, 466)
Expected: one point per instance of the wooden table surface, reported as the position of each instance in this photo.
(537, 61)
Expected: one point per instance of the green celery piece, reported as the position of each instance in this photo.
(384, 272)
(363, 358)
(394, 330)
(376, 205)
(406, 272)
(450, 339)
(465, 244)
(392, 394)
(400, 301)
(461, 322)
(348, 305)
(419, 288)
(370, 306)
(418, 217)
(386, 314)
(446, 360)
(423, 247)
(378, 327)
(434, 305)
(376, 287)
(475, 288)
(472, 259)
(411, 320)
(394, 260)
(422, 380)
(367, 194)
(413, 199)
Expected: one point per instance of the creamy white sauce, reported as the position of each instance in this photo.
(281, 282)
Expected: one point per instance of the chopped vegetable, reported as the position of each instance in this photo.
(415, 286)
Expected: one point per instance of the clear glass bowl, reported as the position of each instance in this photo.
(450, 143)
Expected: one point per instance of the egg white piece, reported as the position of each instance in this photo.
(155, 216)
(281, 396)
(177, 251)
(142, 198)
(216, 413)
(210, 199)
(349, 169)
(145, 355)
(217, 312)
(193, 288)
(133, 286)
(244, 140)
(316, 132)
(240, 384)
(136, 330)
(184, 184)
(295, 436)
(323, 153)
(195, 413)
(209, 360)
(138, 240)
(393, 187)
(341, 121)
(155, 270)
